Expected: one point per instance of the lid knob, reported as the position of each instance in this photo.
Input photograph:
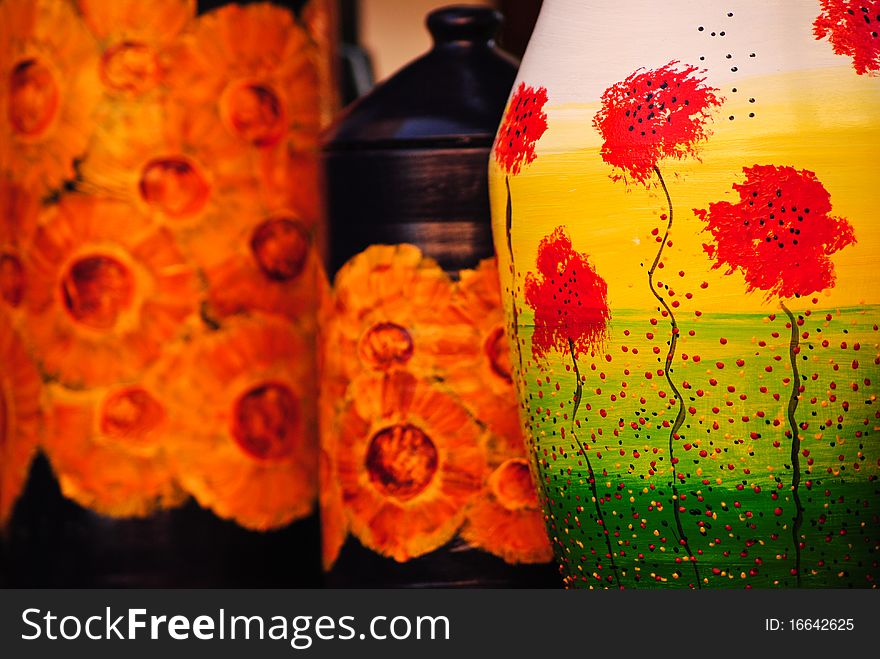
(472, 23)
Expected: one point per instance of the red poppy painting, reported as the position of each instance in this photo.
(524, 123)
(569, 298)
(650, 116)
(851, 26)
(697, 389)
(570, 302)
(653, 115)
(780, 235)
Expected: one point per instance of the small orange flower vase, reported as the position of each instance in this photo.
(681, 202)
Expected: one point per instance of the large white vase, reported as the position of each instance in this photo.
(684, 211)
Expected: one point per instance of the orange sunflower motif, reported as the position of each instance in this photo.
(21, 416)
(106, 448)
(506, 519)
(409, 459)
(106, 291)
(270, 264)
(251, 68)
(481, 377)
(245, 444)
(186, 176)
(393, 309)
(133, 37)
(48, 91)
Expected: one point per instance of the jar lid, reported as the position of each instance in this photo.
(452, 96)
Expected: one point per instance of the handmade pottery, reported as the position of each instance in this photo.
(683, 211)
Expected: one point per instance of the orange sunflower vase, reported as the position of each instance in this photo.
(682, 207)
(160, 251)
(424, 475)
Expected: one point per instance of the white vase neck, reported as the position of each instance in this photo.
(579, 47)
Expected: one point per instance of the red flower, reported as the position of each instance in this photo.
(523, 125)
(851, 26)
(653, 115)
(780, 233)
(569, 298)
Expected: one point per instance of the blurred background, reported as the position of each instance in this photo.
(377, 37)
(390, 33)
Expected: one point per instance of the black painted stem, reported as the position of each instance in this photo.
(578, 395)
(793, 401)
(680, 416)
(509, 230)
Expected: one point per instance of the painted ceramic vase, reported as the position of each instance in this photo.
(682, 198)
